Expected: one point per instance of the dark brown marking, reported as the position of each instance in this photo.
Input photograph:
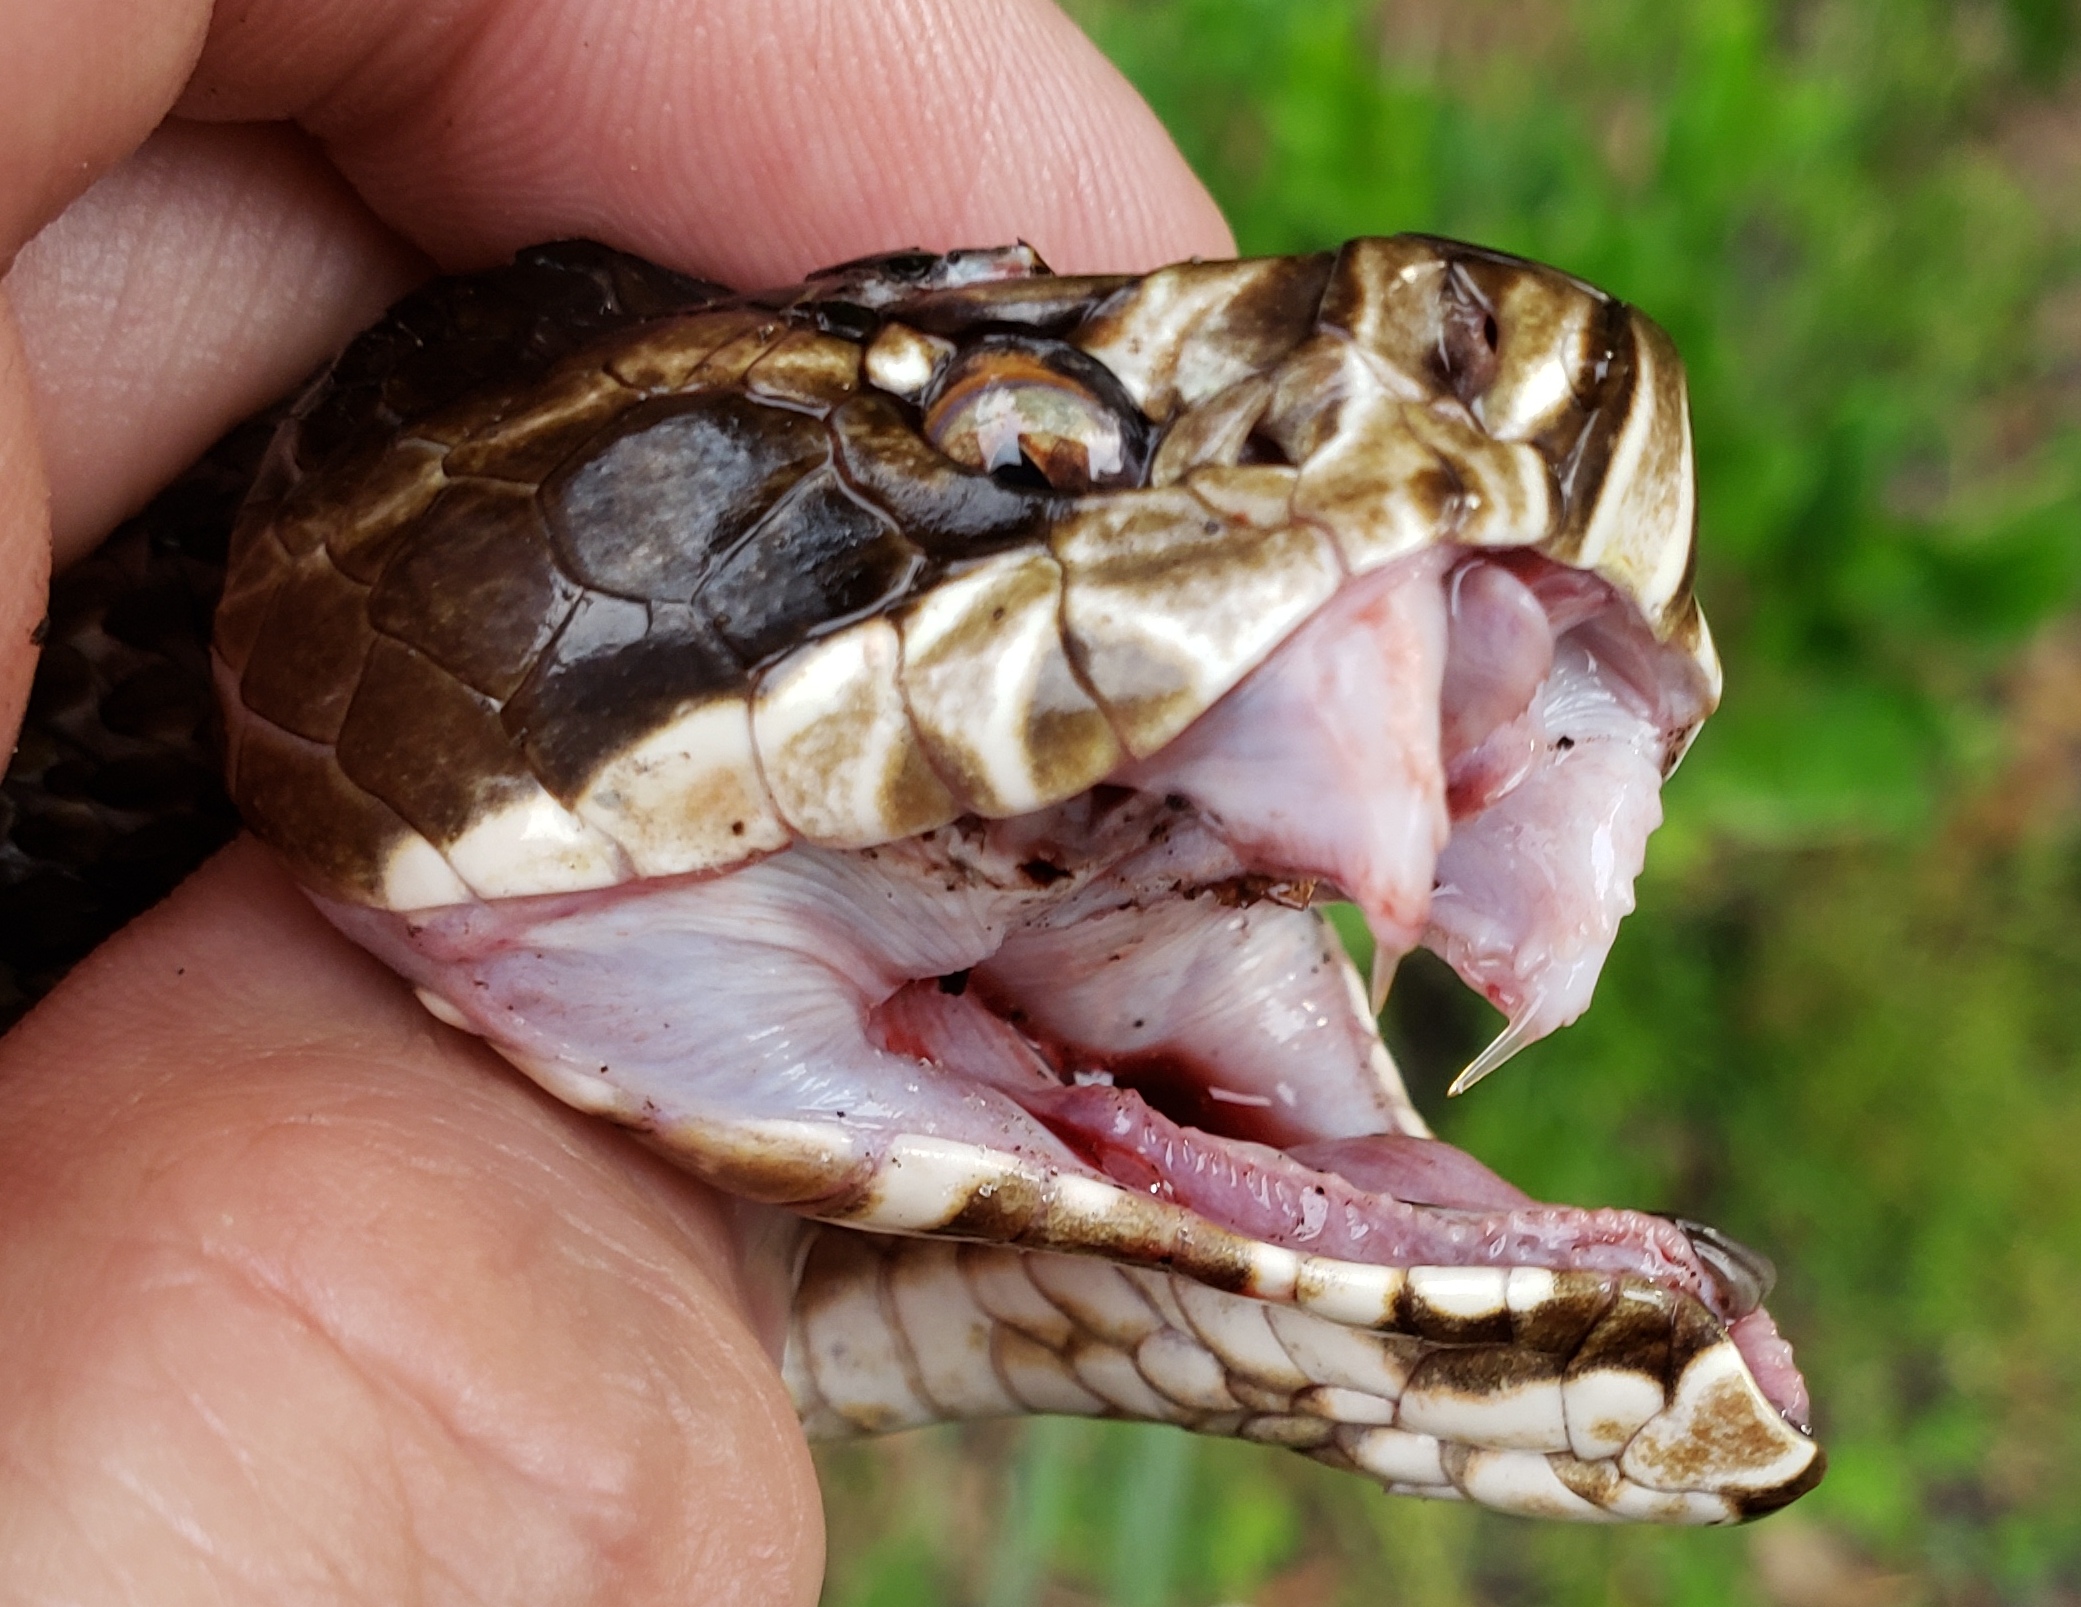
(293, 794)
(408, 710)
(671, 484)
(1415, 1315)
(761, 1169)
(1273, 312)
(1483, 1371)
(475, 587)
(1692, 1330)
(820, 558)
(946, 510)
(1633, 1335)
(308, 655)
(1583, 462)
(616, 671)
(999, 1211)
(1761, 1503)
(1560, 1324)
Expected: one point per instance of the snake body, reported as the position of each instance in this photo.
(587, 624)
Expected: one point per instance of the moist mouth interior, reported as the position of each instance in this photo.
(1552, 709)
(1159, 1125)
(1469, 746)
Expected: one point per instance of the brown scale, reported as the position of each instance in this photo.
(535, 514)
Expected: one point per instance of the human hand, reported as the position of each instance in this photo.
(300, 1294)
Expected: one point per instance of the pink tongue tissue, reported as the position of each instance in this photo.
(1325, 762)
(1457, 750)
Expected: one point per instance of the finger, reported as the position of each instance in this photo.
(24, 530)
(301, 1288)
(81, 83)
(749, 140)
(204, 276)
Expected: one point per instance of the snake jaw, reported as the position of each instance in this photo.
(1093, 1029)
(689, 801)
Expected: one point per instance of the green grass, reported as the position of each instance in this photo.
(1844, 1022)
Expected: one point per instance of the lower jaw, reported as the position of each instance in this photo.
(1347, 1207)
(1382, 1200)
(1308, 1200)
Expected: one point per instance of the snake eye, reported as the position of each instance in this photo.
(1037, 413)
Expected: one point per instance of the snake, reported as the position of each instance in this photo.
(888, 740)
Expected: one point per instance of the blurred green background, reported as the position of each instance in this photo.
(1846, 1022)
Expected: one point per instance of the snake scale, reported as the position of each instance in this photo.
(883, 740)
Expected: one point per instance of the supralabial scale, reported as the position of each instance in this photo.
(884, 740)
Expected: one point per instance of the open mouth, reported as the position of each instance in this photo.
(894, 758)
(1132, 987)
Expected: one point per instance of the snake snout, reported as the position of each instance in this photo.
(1741, 1278)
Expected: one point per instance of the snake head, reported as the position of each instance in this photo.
(884, 738)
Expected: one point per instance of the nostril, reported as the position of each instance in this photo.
(1742, 1277)
(1260, 448)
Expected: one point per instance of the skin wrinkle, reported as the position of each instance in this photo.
(184, 1531)
(124, 1477)
(20, 1470)
(525, 1174)
(988, 78)
(209, 273)
(382, 1374)
(412, 1465)
(101, 312)
(393, 1375)
(188, 1529)
(493, 129)
(761, 175)
(372, 1380)
(240, 1455)
(81, 83)
(525, 1177)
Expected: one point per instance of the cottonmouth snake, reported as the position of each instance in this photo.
(881, 739)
